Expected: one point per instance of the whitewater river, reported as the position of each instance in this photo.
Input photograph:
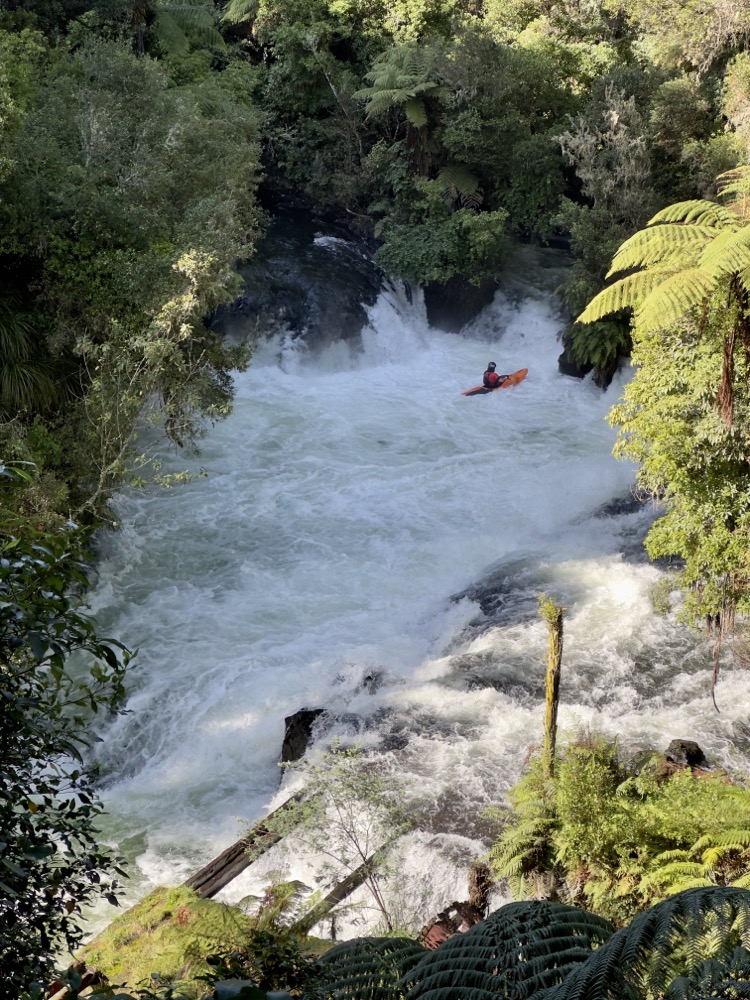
(370, 541)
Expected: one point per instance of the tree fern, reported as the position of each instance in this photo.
(177, 25)
(369, 968)
(238, 11)
(662, 243)
(734, 188)
(673, 298)
(517, 951)
(720, 857)
(713, 978)
(699, 212)
(727, 253)
(640, 959)
(699, 241)
(626, 293)
(402, 77)
(459, 177)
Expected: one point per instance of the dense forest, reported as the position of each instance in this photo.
(146, 144)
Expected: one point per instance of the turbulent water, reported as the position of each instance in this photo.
(368, 540)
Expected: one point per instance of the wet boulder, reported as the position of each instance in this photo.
(298, 731)
(685, 753)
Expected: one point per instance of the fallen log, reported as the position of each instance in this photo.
(235, 859)
(339, 893)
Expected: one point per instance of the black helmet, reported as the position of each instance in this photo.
(491, 366)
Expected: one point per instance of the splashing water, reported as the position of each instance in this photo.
(370, 541)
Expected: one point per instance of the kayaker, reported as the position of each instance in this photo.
(490, 379)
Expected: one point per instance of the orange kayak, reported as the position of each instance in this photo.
(508, 381)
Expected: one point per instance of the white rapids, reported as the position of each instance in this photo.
(351, 494)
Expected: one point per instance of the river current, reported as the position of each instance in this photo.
(369, 541)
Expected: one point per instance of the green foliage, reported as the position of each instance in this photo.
(271, 954)
(369, 968)
(682, 418)
(677, 34)
(165, 939)
(26, 380)
(607, 834)
(517, 951)
(442, 244)
(56, 674)
(403, 77)
(129, 202)
(668, 945)
(350, 816)
(177, 25)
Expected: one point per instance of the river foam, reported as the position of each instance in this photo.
(370, 541)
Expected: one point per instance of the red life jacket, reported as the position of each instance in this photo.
(491, 378)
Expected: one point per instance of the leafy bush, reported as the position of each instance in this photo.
(607, 833)
(51, 863)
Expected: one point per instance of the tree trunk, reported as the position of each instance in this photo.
(552, 613)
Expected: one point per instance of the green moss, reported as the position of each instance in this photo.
(168, 933)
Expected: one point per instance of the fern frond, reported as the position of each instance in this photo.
(660, 243)
(647, 951)
(458, 176)
(728, 253)
(626, 293)
(699, 212)
(415, 112)
(238, 11)
(668, 856)
(518, 951)
(369, 968)
(734, 183)
(674, 298)
(729, 839)
(170, 36)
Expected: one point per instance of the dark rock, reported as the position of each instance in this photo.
(453, 304)
(373, 681)
(630, 504)
(298, 733)
(685, 753)
(566, 366)
(309, 279)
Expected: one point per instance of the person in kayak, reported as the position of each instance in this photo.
(490, 379)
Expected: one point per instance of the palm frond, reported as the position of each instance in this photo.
(672, 299)
(16, 333)
(26, 384)
(661, 243)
